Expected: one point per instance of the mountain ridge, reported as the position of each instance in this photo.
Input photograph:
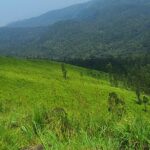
(68, 13)
(51, 17)
(116, 28)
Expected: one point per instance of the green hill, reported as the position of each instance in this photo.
(38, 106)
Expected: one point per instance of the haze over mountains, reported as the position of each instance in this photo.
(96, 28)
(51, 17)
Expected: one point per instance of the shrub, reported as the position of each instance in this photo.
(138, 94)
(116, 105)
(58, 122)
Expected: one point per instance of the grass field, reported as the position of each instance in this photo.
(39, 107)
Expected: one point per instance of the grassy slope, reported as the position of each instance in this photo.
(26, 87)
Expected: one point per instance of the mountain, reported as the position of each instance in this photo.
(95, 29)
(82, 11)
(52, 17)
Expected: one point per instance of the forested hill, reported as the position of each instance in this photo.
(100, 28)
(51, 17)
(91, 9)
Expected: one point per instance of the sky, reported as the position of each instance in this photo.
(14, 10)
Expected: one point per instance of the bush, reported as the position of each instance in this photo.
(116, 105)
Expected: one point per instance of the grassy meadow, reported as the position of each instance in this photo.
(39, 107)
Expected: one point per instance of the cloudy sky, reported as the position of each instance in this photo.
(14, 10)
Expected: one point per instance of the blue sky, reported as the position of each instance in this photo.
(13, 10)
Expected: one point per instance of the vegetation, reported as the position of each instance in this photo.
(39, 109)
(115, 105)
(145, 101)
(64, 71)
(133, 72)
(94, 31)
(50, 105)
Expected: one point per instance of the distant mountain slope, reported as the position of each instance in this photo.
(79, 11)
(102, 27)
(52, 17)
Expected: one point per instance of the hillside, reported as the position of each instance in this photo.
(38, 106)
(99, 28)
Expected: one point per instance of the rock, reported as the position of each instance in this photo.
(38, 147)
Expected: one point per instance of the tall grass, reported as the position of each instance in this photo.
(37, 106)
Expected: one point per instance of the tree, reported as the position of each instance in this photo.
(138, 94)
(115, 80)
(64, 71)
(145, 102)
(109, 69)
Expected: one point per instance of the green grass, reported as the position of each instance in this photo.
(32, 93)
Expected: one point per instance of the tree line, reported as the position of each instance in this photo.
(133, 72)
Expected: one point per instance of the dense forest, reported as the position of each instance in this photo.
(112, 27)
